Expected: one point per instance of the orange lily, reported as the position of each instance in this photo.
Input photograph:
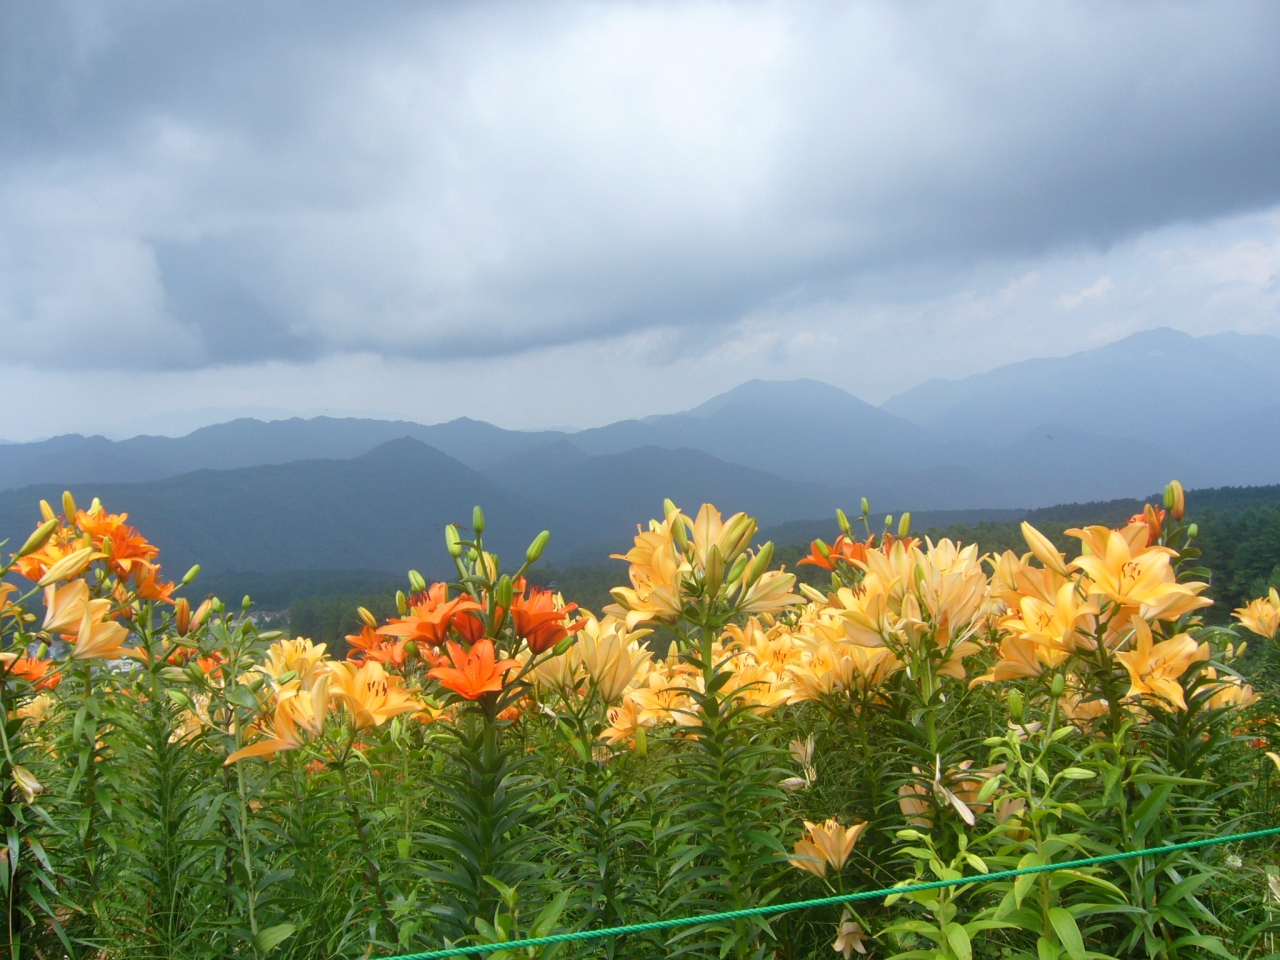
(474, 672)
(846, 549)
(293, 720)
(539, 621)
(65, 606)
(429, 619)
(146, 584)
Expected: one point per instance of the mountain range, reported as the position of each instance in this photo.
(1117, 421)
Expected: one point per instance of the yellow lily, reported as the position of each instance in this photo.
(65, 605)
(1262, 616)
(1154, 669)
(97, 638)
(371, 695)
(827, 845)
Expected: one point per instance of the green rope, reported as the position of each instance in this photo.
(823, 901)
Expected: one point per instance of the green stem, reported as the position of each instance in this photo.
(371, 871)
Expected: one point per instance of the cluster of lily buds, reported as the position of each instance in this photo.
(682, 562)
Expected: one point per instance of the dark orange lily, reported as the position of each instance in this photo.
(430, 618)
(475, 672)
(539, 621)
(850, 551)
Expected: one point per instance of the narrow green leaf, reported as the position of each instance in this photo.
(1064, 925)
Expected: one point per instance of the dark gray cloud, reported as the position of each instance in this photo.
(216, 183)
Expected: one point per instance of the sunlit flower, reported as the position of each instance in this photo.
(1155, 669)
(26, 781)
(610, 654)
(844, 549)
(1141, 578)
(1261, 616)
(370, 694)
(294, 720)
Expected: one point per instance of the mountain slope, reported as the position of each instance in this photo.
(385, 510)
(1150, 384)
(246, 443)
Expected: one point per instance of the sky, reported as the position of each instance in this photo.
(564, 214)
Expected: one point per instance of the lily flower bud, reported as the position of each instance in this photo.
(411, 649)
(737, 537)
(888, 520)
(42, 651)
(182, 616)
(46, 511)
(680, 532)
(738, 569)
(202, 611)
(191, 575)
(416, 583)
(1193, 531)
(866, 507)
(823, 549)
(904, 525)
(69, 566)
(504, 592)
(245, 603)
(452, 541)
(1175, 500)
(477, 520)
(539, 544)
(68, 506)
(1044, 550)
(843, 519)
(669, 507)
(562, 647)
(367, 618)
(39, 538)
(1059, 686)
(402, 605)
(760, 564)
(1015, 706)
(642, 743)
(714, 574)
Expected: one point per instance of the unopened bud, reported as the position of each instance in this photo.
(669, 507)
(642, 742)
(1059, 685)
(452, 541)
(562, 647)
(46, 511)
(504, 592)
(191, 575)
(1175, 500)
(182, 616)
(39, 538)
(760, 564)
(68, 506)
(1244, 645)
(42, 651)
(246, 603)
(401, 604)
(823, 550)
(866, 507)
(843, 520)
(367, 618)
(218, 606)
(411, 649)
(1015, 706)
(1193, 531)
(539, 544)
(416, 583)
(888, 520)
(69, 566)
(738, 569)
(680, 532)
(714, 573)
(904, 524)
(202, 611)
(477, 520)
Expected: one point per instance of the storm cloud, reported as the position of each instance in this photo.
(196, 185)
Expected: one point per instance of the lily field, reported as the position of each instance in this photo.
(495, 763)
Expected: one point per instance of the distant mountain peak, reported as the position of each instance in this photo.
(804, 392)
(405, 449)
